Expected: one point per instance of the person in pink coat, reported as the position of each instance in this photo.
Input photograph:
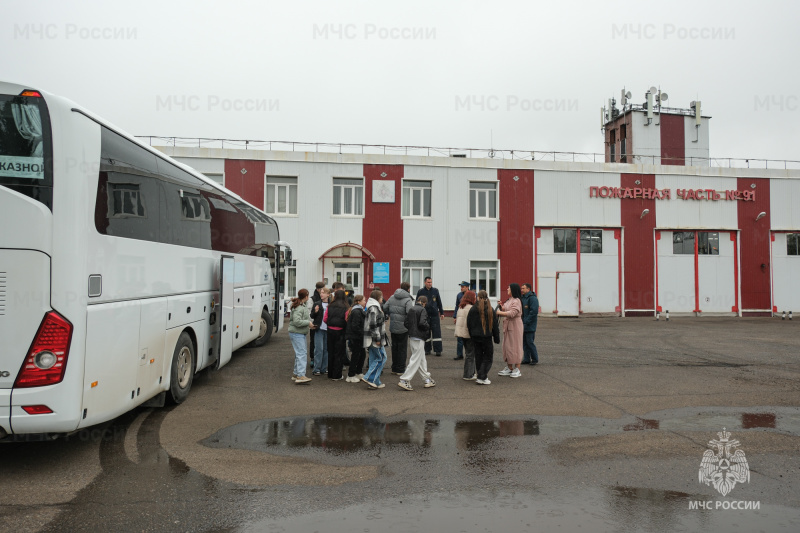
(513, 329)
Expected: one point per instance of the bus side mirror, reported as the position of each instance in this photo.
(287, 255)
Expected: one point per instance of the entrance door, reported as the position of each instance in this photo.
(226, 319)
(567, 293)
(350, 275)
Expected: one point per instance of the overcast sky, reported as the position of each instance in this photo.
(520, 75)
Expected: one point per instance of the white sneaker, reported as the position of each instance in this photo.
(429, 383)
(504, 372)
(515, 374)
(483, 382)
(473, 378)
(405, 385)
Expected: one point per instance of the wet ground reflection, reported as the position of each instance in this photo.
(338, 434)
(600, 509)
(641, 424)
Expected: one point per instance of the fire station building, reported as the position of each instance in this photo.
(664, 231)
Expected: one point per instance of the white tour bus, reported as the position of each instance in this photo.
(122, 272)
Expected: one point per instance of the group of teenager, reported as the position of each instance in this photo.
(336, 321)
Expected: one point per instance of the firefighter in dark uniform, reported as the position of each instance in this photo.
(435, 314)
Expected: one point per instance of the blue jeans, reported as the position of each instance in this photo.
(300, 353)
(321, 351)
(377, 358)
(459, 347)
(529, 352)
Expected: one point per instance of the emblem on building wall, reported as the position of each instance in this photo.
(722, 466)
(383, 191)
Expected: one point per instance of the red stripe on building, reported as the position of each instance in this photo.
(639, 245)
(382, 227)
(755, 244)
(249, 184)
(673, 140)
(515, 248)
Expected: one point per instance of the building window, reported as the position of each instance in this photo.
(482, 199)
(793, 244)
(125, 200)
(194, 207)
(707, 243)
(416, 198)
(281, 196)
(483, 277)
(564, 241)
(348, 196)
(591, 241)
(415, 272)
(216, 178)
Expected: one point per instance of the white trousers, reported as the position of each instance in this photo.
(418, 363)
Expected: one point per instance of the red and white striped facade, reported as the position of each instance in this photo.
(636, 273)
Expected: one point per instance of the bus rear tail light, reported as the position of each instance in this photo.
(37, 409)
(29, 92)
(46, 361)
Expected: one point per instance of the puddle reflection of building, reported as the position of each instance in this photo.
(641, 424)
(474, 434)
(347, 434)
(475, 438)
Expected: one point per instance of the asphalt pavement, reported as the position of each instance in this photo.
(607, 433)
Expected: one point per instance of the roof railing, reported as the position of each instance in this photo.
(481, 153)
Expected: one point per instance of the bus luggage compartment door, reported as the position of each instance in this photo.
(226, 326)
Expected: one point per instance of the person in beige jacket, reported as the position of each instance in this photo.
(462, 332)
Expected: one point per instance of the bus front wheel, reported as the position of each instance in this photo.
(182, 369)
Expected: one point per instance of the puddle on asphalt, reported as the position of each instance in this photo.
(340, 435)
(337, 435)
(601, 509)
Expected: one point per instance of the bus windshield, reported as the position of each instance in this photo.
(26, 147)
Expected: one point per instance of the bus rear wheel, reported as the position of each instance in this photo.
(264, 329)
(182, 369)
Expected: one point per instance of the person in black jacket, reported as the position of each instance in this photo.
(416, 323)
(315, 299)
(482, 325)
(336, 319)
(435, 314)
(355, 338)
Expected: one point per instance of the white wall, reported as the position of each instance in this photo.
(561, 199)
(646, 140)
(784, 200)
(701, 147)
(784, 274)
(313, 230)
(696, 214)
(450, 236)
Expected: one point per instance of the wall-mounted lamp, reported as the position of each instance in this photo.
(644, 213)
(761, 215)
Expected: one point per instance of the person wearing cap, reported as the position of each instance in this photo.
(464, 285)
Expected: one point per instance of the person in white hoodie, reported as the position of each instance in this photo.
(375, 339)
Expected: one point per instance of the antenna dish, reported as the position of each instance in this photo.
(628, 94)
(664, 96)
(653, 90)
